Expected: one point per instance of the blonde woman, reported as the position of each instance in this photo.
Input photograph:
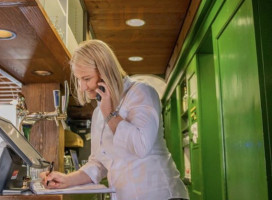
(127, 144)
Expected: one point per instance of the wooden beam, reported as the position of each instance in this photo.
(46, 31)
(184, 31)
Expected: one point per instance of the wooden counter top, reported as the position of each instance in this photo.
(31, 197)
(56, 197)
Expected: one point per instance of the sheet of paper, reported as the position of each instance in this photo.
(38, 188)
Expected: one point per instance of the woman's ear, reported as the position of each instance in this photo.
(101, 79)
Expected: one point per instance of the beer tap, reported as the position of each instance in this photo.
(31, 118)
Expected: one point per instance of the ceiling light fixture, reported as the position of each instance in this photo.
(135, 58)
(7, 35)
(42, 73)
(135, 22)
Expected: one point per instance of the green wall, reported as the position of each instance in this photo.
(211, 149)
(263, 29)
(172, 130)
(240, 106)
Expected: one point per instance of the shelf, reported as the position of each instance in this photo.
(186, 181)
(71, 40)
(184, 114)
(185, 129)
(67, 19)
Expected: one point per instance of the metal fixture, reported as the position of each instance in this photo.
(27, 118)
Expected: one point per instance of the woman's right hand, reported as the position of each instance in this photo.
(56, 180)
(106, 102)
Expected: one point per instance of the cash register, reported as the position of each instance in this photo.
(16, 156)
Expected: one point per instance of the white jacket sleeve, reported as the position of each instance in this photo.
(94, 169)
(139, 131)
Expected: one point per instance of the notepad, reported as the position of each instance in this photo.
(38, 188)
(14, 191)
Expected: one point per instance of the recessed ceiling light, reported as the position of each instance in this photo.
(135, 22)
(42, 72)
(6, 35)
(135, 58)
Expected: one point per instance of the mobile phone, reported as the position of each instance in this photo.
(98, 97)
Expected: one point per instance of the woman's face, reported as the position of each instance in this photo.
(87, 78)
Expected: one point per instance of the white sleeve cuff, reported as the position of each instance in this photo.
(93, 172)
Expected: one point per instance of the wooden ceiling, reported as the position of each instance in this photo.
(39, 47)
(155, 41)
(36, 46)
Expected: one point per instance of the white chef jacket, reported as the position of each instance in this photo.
(135, 159)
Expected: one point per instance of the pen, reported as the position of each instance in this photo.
(50, 170)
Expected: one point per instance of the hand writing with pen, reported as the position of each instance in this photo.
(52, 179)
(51, 167)
(57, 180)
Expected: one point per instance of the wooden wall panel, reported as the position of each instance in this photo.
(45, 136)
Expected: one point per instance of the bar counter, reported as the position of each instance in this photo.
(31, 197)
(56, 197)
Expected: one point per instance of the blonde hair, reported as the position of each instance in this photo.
(98, 55)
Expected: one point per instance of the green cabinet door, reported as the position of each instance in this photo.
(240, 105)
(172, 130)
(196, 188)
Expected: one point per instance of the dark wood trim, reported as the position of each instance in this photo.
(41, 23)
(182, 36)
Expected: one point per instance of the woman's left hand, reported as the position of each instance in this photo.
(106, 102)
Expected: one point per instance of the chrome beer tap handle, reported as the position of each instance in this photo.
(57, 115)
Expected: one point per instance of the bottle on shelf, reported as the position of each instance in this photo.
(185, 100)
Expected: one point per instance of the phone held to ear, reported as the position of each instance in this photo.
(98, 97)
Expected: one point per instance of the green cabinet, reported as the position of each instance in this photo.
(212, 158)
(225, 134)
(240, 107)
(172, 131)
(196, 189)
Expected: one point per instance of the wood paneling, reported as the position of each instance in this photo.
(154, 41)
(45, 136)
(185, 29)
(36, 47)
(77, 112)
